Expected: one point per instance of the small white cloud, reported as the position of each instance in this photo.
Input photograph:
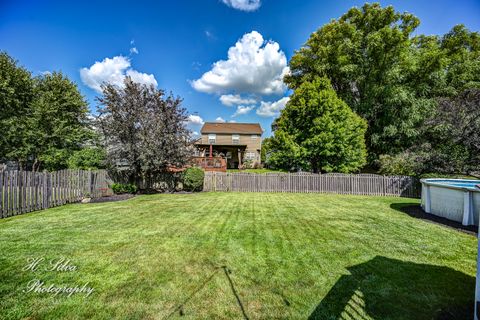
(253, 66)
(235, 99)
(219, 119)
(133, 50)
(242, 110)
(113, 71)
(244, 5)
(271, 109)
(195, 133)
(139, 77)
(194, 119)
(210, 35)
(232, 121)
(132, 42)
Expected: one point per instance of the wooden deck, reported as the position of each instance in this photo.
(217, 164)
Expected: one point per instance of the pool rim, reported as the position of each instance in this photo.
(435, 182)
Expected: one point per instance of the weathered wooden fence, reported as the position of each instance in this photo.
(359, 184)
(24, 191)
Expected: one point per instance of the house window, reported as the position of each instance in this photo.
(254, 137)
(235, 138)
(250, 156)
(212, 137)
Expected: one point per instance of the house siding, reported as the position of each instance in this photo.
(252, 145)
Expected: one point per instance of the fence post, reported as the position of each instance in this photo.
(1, 194)
(90, 181)
(214, 181)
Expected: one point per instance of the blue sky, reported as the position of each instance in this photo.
(177, 45)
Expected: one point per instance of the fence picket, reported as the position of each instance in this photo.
(24, 191)
(359, 184)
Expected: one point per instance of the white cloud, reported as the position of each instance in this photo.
(234, 99)
(243, 110)
(134, 50)
(139, 77)
(232, 121)
(194, 119)
(271, 109)
(195, 133)
(244, 5)
(253, 66)
(219, 119)
(113, 71)
(210, 35)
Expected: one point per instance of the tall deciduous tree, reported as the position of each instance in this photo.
(42, 119)
(318, 131)
(453, 135)
(144, 130)
(59, 122)
(368, 55)
(461, 49)
(16, 96)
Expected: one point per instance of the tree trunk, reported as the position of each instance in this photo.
(35, 165)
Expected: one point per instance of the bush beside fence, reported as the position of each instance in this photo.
(357, 184)
(24, 191)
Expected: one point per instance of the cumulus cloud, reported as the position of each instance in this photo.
(134, 50)
(113, 71)
(194, 119)
(244, 5)
(219, 119)
(235, 99)
(253, 66)
(273, 108)
(243, 110)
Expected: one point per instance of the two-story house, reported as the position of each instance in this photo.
(238, 143)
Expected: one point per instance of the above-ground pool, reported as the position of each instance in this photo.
(454, 199)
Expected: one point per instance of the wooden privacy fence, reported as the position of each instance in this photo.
(359, 184)
(25, 191)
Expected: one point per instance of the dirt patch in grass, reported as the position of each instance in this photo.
(116, 197)
(416, 211)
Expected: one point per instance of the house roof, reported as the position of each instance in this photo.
(229, 127)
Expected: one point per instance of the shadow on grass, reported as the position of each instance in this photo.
(385, 288)
(180, 308)
(414, 210)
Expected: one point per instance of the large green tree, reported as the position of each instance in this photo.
(317, 131)
(461, 51)
(144, 130)
(16, 96)
(372, 62)
(451, 144)
(59, 123)
(43, 119)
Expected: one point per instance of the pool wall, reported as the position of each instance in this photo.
(456, 203)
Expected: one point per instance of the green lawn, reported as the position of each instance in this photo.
(285, 256)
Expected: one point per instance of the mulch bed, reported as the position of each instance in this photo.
(116, 197)
(416, 211)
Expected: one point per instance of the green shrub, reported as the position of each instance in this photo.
(403, 164)
(89, 158)
(193, 179)
(119, 188)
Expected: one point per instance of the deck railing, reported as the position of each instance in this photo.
(210, 164)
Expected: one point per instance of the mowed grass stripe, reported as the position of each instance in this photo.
(291, 256)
